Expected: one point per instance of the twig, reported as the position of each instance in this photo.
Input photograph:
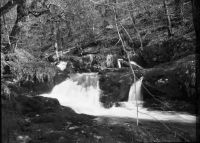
(117, 42)
(126, 31)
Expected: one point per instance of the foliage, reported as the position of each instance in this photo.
(80, 24)
(22, 66)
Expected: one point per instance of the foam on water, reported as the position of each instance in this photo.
(62, 65)
(81, 92)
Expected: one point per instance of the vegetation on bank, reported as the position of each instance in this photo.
(20, 67)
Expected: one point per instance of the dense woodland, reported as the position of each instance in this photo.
(159, 35)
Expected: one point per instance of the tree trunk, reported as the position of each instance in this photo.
(196, 21)
(22, 12)
(169, 25)
(59, 40)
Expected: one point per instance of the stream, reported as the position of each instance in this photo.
(81, 92)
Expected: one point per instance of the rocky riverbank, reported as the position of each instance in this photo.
(38, 119)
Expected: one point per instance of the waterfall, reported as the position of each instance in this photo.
(135, 92)
(81, 92)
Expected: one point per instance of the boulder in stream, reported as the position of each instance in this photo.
(174, 82)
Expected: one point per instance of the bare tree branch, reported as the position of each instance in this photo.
(127, 57)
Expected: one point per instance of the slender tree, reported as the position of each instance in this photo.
(196, 21)
(169, 24)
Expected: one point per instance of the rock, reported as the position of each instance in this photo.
(37, 104)
(51, 58)
(98, 137)
(110, 61)
(73, 128)
(115, 86)
(54, 136)
(23, 139)
(90, 50)
(62, 140)
(171, 81)
(47, 118)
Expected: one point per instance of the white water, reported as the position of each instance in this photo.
(134, 93)
(62, 65)
(81, 92)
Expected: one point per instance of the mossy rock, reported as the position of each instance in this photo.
(174, 81)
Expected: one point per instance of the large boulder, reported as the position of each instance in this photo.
(174, 81)
(115, 85)
(35, 104)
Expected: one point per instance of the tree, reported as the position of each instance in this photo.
(196, 21)
(169, 24)
(24, 8)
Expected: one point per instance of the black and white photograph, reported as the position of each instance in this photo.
(100, 71)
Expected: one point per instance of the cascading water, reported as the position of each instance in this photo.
(81, 93)
(134, 93)
(62, 65)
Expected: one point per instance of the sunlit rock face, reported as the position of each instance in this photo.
(110, 61)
